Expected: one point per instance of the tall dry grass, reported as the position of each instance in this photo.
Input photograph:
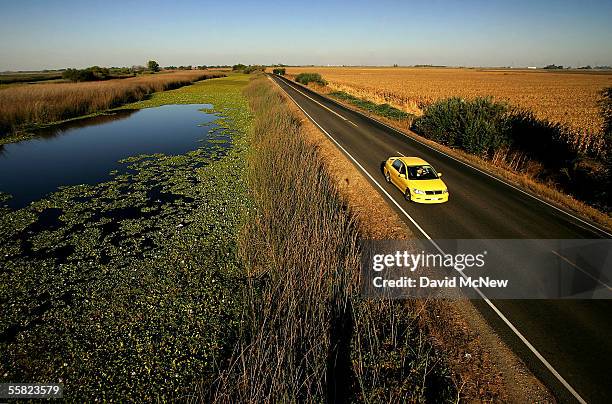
(29, 105)
(307, 335)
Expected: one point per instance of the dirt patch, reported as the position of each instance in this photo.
(484, 368)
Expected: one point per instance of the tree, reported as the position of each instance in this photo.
(153, 65)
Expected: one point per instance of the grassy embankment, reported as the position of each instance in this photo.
(27, 107)
(545, 157)
(309, 335)
(129, 290)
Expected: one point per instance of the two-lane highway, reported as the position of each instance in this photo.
(565, 343)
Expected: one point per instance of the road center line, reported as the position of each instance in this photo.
(486, 299)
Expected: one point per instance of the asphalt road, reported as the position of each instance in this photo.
(572, 336)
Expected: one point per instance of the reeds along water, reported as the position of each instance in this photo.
(44, 103)
(306, 334)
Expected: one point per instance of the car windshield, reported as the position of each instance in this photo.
(422, 173)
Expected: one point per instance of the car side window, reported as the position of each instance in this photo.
(402, 169)
(397, 164)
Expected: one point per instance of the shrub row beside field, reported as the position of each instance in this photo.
(309, 336)
(26, 106)
(492, 129)
(307, 78)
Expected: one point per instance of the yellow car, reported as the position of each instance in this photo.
(417, 179)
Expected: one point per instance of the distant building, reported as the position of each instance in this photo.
(531, 67)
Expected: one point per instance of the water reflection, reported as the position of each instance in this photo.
(85, 151)
(57, 130)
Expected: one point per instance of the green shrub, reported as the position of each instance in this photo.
(280, 71)
(253, 68)
(479, 126)
(306, 78)
(247, 69)
(482, 127)
(78, 75)
(153, 66)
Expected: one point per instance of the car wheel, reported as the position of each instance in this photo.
(388, 177)
(407, 195)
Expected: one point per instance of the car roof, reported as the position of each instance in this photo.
(412, 161)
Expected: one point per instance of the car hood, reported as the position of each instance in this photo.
(428, 185)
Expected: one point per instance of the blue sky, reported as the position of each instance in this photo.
(56, 34)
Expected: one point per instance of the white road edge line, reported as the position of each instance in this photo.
(564, 259)
(471, 166)
(581, 270)
(489, 302)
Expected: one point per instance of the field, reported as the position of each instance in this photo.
(28, 77)
(27, 106)
(569, 98)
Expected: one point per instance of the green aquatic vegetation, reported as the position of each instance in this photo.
(131, 289)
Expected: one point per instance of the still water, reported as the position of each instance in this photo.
(85, 151)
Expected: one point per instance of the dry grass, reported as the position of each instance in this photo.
(569, 98)
(307, 335)
(25, 106)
